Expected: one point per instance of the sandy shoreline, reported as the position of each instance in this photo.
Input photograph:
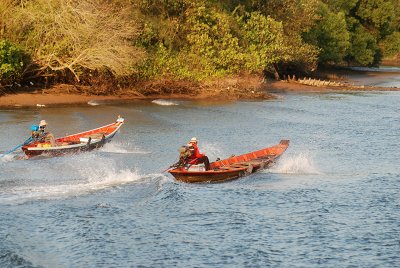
(20, 100)
(55, 98)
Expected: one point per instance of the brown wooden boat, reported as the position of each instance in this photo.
(80, 142)
(233, 167)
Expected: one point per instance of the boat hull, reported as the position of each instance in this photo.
(233, 167)
(64, 151)
(77, 143)
(208, 176)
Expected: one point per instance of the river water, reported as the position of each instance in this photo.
(332, 200)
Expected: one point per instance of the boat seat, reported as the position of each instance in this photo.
(266, 156)
(224, 168)
(63, 143)
(94, 137)
(237, 165)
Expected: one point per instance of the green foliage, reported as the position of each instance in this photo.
(211, 44)
(197, 40)
(12, 62)
(265, 39)
(345, 6)
(391, 45)
(70, 38)
(377, 13)
(218, 44)
(363, 45)
(164, 63)
(371, 24)
(297, 16)
(331, 35)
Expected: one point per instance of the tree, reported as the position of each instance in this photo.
(263, 38)
(345, 6)
(331, 35)
(379, 15)
(372, 25)
(12, 62)
(363, 45)
(391, 45)
(211, 41)
(297, 17)
(76, 36)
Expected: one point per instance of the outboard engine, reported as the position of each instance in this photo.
(185, 151)
(184, 155)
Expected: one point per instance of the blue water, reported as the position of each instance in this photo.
(332, 200)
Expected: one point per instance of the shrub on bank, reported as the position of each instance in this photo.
(13, 61)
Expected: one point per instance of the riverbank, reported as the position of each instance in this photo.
(233, 88)
(230, 89)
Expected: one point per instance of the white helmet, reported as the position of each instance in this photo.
(193, 140)
(42, 123)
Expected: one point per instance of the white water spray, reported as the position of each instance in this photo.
(296, 164)
(93, 103)
(164, 102)
(93, 180)
(120, 148)
(212, 150)
(7, 158)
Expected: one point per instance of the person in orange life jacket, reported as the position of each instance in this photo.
(197, 157)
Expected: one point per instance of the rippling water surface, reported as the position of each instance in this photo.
(331, 201)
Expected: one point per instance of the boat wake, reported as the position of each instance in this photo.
(20, 194)
(7, 158)
(80, 177)
(297, 164)
(93, 103)
(119, 148)
(164, 102)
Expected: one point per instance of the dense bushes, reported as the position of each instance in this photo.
(192, 40)
(12, 62)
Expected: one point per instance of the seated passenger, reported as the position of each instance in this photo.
(196, 157)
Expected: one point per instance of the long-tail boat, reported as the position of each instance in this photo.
(233, 167)
(80, 142)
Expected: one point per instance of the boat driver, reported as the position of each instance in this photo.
(45, 136)
(196, 157)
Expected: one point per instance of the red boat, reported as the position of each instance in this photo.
(80, 142)
(233, 167)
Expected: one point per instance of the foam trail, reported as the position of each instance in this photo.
(93, 103)
(118, 148)
(164, 102)
(95, 180)
(7, 158)
(163, 179)
(297, 164)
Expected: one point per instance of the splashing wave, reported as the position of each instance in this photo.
(7, 158)
(164, 102)
(119, 148)
(93, 103)
(297, 164)
(93, 179)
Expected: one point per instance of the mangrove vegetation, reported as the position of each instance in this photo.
(123, 42)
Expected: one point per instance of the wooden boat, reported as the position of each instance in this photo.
(233, 167)
(80, 142)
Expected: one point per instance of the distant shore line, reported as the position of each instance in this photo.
(227, 89)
